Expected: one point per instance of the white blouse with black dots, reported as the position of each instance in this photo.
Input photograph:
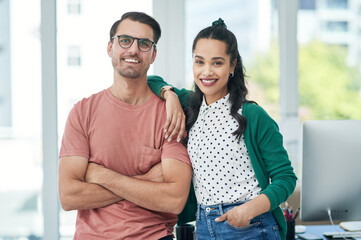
(222, 170)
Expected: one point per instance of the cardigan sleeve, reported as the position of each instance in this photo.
(156, 83)
(273, 167)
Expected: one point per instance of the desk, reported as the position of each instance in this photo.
(320, 229)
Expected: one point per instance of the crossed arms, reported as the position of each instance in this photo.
(164, 187)
(84, 185)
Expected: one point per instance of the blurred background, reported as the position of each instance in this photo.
(302, 60)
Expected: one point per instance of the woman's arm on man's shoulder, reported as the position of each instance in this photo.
(156, 83)
(176, 100)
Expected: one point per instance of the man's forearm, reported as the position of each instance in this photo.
(74, 192)
(81, 195)
(151, 195)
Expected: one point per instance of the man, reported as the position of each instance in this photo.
(113, 148)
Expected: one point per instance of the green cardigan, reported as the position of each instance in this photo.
(268, 157)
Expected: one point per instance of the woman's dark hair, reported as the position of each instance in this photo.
(138, 17)
(236, 84)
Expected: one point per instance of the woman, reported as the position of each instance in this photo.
(241, 171)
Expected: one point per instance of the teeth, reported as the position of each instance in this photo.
(208, 81)
(131, 60)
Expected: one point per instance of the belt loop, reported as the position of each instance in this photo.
(220, 209)
(198, 211)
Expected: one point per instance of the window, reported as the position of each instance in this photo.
(335, 26)
(74, 56)
(20, 121)
(74, 7)
(5, 81)
(337, 4)
(307, 4)
(329, 82)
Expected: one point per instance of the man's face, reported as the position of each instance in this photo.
(131, 62)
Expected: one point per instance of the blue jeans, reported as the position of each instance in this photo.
(263, 226)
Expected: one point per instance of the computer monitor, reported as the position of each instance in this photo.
(331, 170)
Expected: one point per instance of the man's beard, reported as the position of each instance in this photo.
(129, 73)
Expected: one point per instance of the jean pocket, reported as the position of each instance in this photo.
(249, 227)
(276, 232)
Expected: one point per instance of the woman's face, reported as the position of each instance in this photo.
(211, 68)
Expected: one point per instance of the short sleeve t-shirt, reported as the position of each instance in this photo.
(128, 139)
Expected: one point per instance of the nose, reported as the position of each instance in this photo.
(134, 48)
(207, 70)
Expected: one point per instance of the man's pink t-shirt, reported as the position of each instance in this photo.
(128, 139)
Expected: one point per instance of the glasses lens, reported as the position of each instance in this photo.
(125, 41)
(144, 44)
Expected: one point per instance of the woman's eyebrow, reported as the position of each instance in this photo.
(214, 58)
(217, 58)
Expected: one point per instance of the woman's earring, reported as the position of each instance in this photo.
(231, 75)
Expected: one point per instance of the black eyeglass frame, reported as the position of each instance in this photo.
(133, 38)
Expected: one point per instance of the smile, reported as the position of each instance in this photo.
(130, 60)
(208, 82)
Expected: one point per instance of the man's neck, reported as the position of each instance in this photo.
(131, 91)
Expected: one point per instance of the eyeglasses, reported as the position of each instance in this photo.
(126, 41)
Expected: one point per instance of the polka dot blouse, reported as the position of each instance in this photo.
(222, 170)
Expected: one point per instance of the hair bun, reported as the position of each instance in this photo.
(219, 23)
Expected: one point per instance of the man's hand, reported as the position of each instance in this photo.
(155, 174)
(92, 172)
(175, 124)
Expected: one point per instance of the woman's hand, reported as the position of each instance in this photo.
(242, 215)
(237, 217)
(175, 124)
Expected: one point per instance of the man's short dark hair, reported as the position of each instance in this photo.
(138, 17)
